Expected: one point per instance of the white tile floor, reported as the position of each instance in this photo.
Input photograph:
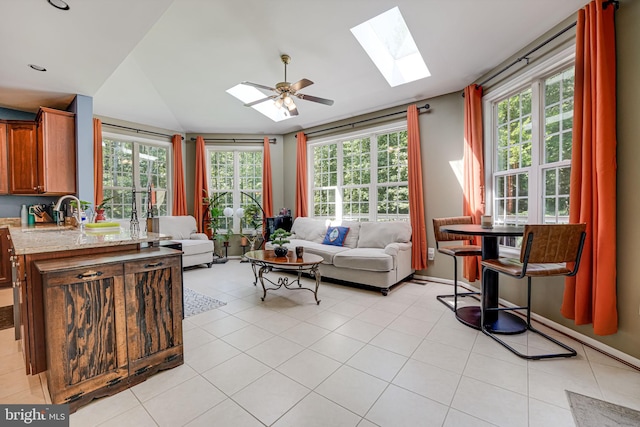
(357, 359)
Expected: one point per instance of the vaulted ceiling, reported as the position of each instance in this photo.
(168, 63)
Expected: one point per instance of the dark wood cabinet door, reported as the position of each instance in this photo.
(5, 258)
(4, 161)
(154, 314)
(86, 331)
(23, 158)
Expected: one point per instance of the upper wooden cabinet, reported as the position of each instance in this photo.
(4, 162)
(23, 157)
(56, 151)
(42, 155)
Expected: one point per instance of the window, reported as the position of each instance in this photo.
(131, 162)
(233, 172)
(361, 177)
(531, 149)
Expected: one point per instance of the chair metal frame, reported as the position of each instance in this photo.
(472, 250)
(525, 256)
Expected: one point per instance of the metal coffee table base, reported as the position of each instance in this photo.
(284, 280)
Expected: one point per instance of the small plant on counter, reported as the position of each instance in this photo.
(83, 203)
(102, 206)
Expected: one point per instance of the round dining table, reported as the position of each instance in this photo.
(499, 322)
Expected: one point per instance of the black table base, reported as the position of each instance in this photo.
(506, 323)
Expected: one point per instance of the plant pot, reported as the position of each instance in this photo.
(100, 215)
(280, 251)
(244, 241)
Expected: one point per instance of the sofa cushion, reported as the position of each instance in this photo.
(369, 259)
(178, 227)
(327, 252)
(380, 234)
(193, 247)
(335, 236)
(354, 231)
(310, 229)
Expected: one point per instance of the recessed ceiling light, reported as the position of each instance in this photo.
(389, 44)
(249, 94)
(59, 4)
(37, 67)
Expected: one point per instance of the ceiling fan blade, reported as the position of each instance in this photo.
(259, 101)
(314, 99)
(293, 112)
(259, 86)
(300, 84)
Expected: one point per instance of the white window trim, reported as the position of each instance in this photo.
(338, 138)
(235, 192)
(553, 63)
(136, 159)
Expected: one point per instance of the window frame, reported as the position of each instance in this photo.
(140, 191)
(372, 133)
(533, 78)
(236, 192)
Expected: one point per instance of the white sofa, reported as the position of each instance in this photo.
(196, 247)
(374, 254)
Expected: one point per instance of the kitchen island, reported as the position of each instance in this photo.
(99, 312)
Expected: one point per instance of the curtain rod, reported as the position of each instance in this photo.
(139, 130)
(526, 55)
(425, 108)
(272, 140)
(615, 3)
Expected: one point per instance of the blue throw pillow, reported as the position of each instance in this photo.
(335, 236)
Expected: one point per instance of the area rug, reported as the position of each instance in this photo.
(590, 412)
(196, 303)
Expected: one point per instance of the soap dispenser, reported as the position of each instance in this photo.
(24, 219)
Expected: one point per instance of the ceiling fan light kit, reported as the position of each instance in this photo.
(285, 91)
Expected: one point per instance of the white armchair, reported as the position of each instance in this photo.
(196, 247)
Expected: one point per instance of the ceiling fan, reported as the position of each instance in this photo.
(284, 91)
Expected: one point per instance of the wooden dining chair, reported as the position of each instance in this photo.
(454, 251)
(547, 250)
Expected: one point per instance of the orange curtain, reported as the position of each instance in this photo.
(201, 187)
(179, 194)
(590, 296)
(98, 172)
(302, 208)
(267, 186)
(473, 185)
(416, 198)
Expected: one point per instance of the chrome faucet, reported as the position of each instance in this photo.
(77, 215)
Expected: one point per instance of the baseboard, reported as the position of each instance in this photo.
(583, 339)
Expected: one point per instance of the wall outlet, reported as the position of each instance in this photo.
(431, 253)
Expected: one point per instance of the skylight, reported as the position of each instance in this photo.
(248, 94)
(389, 44)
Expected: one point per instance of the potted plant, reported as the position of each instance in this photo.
(227, 236)
(100, 210)
(253, 219)
(279, 238)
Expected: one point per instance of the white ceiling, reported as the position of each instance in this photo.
(167, 63)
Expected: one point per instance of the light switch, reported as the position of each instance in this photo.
(431, 254)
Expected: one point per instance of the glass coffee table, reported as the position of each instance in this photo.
(263, 262)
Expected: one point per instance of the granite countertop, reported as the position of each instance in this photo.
(53, 239)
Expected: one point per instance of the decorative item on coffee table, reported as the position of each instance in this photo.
(279, 238)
